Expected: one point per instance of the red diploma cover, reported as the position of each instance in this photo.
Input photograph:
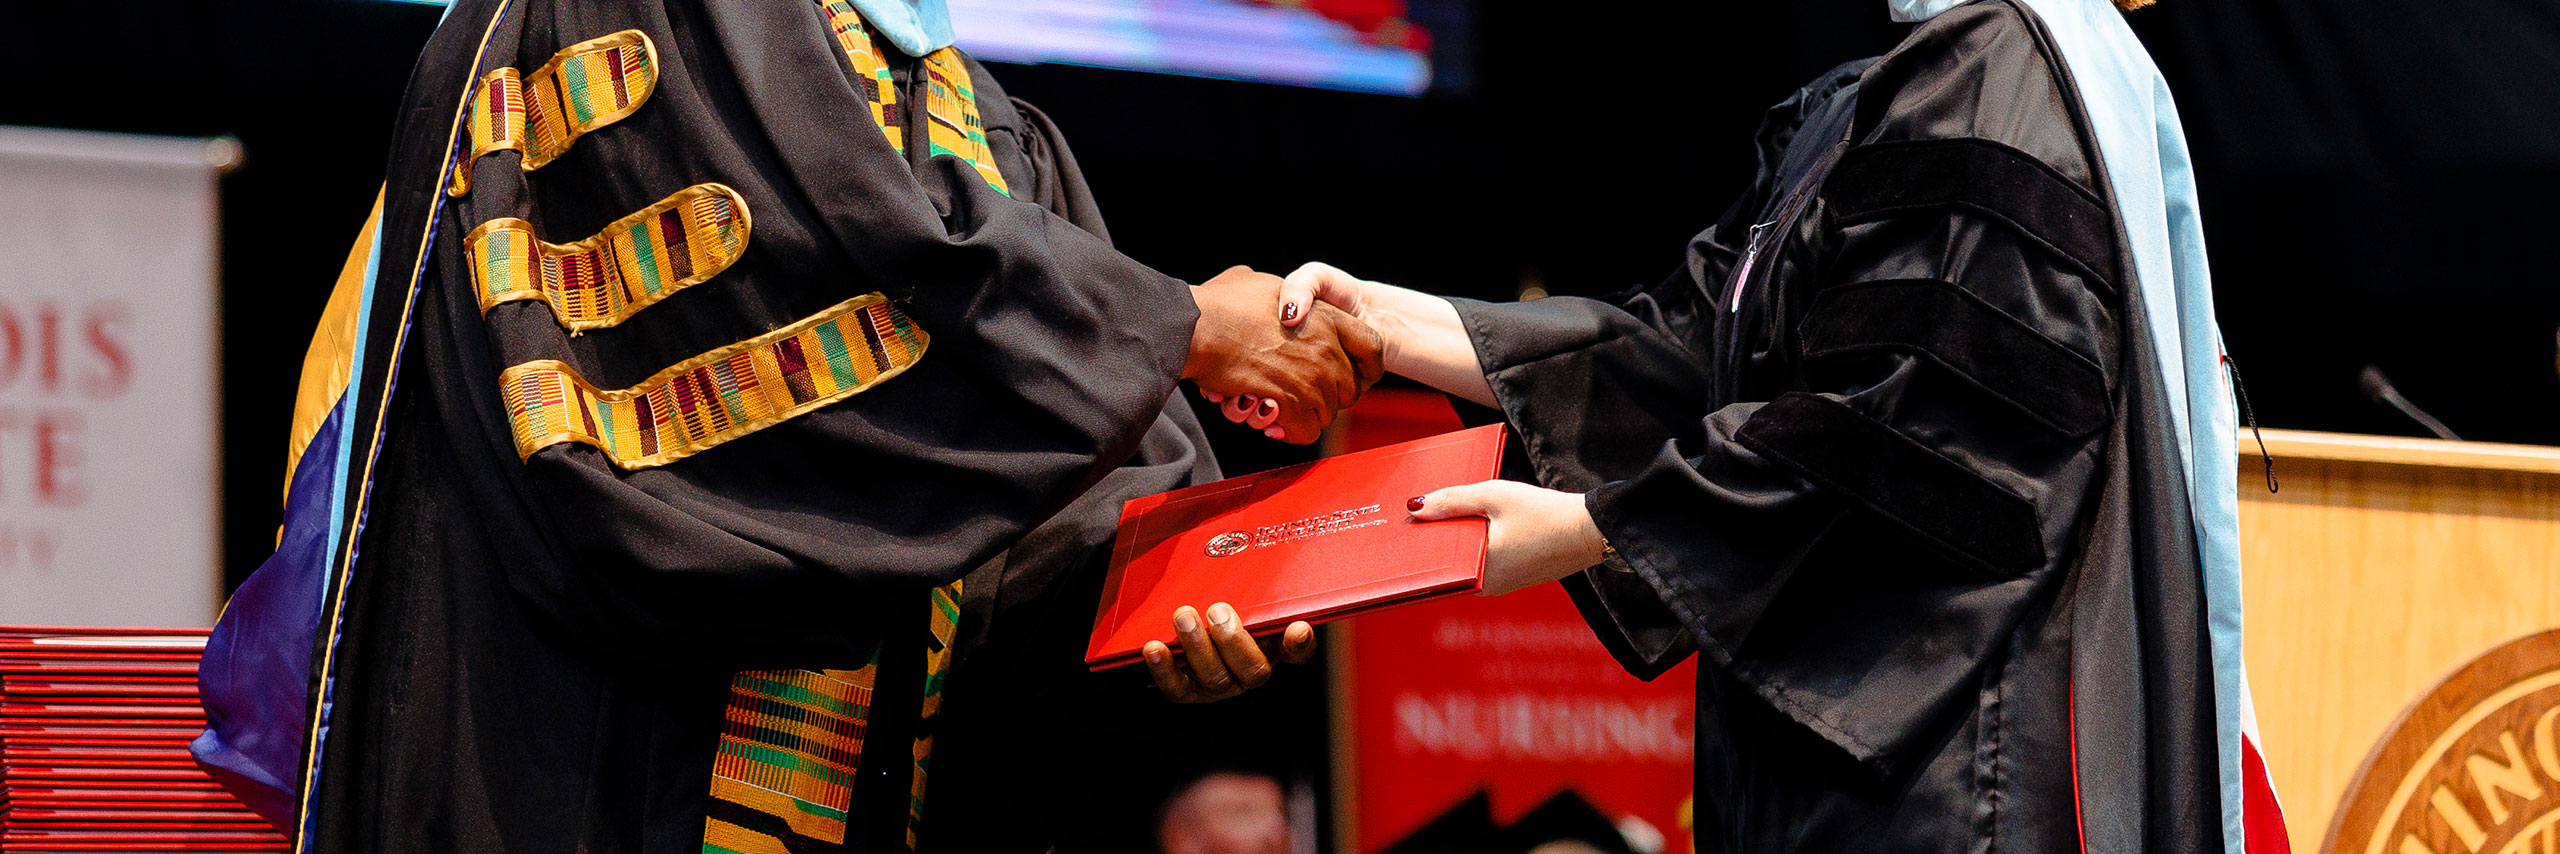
(1315, 542)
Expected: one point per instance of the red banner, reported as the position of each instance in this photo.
(1510, 696)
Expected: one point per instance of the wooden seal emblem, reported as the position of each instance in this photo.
(2472, 768)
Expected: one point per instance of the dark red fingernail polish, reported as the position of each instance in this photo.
(1288, 312)
(1413, 504)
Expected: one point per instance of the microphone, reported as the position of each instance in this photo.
(2378, 388)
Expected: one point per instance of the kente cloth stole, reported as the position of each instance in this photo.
(952, 124)
(793, 738)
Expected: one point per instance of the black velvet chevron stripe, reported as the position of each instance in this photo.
(1868, 462)
(1985, 346)
(1882, 179)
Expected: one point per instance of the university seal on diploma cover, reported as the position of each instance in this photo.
(1320, 541)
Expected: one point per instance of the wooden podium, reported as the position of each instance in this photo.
(2382, 567)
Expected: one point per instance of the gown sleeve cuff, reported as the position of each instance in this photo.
(1579, 442)
(1629, 617)
(1590, 391)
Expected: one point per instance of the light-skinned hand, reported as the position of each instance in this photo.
(1535, 535)
(1318, 281)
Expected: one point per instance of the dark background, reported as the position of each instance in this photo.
(2375, 175)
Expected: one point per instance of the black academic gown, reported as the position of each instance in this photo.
(534, 653)
(1913, 495)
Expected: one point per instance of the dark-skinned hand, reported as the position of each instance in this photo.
(1307, 373)
(1219, 659)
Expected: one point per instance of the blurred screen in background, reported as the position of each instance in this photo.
(1392, 47)
(1382, 46)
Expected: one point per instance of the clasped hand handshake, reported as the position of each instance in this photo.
(1286, 356)
(1282, 366)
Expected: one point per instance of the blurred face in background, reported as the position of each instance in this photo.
(1566, 846)
(1226, 813)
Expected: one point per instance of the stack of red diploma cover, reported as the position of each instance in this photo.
(1315, 542)
(94, 725)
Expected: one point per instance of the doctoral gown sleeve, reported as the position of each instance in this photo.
(1050, 354)
(1862, 480)
(1605, 432)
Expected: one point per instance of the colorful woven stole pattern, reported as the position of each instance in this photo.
(771, 795)
(952, 125)
(783, 777)
(870, 70)
(937, 663)
(603, 280)
(585, 86)
(717, 396)
(782, 781)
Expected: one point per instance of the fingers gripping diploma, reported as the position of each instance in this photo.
(1294, 377)
(1534, 535)
(1219, 659)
